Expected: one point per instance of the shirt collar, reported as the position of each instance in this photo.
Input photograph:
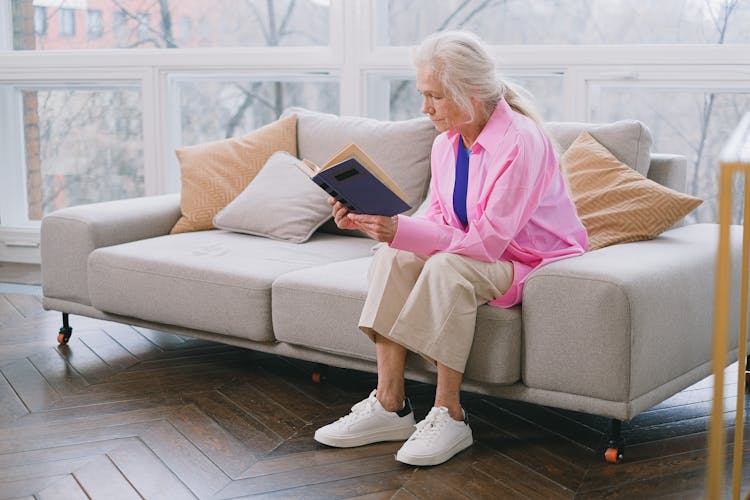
(493, 130)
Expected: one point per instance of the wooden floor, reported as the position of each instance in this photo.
(126, 412)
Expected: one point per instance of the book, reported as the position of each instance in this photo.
(352, 178)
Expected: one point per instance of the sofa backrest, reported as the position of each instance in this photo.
(628, 140)
(401, 148)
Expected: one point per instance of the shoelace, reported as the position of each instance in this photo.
(359, 410)
(431, 425)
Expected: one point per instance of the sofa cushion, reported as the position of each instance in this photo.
(629, 140)
(216, 281)
(280, 203)
(214, 173)
(319, 307)
(401, 148)
(615, 203)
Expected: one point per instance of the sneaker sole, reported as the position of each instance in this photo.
(423, 460)
(365, 438)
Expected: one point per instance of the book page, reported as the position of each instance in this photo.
(309, 168)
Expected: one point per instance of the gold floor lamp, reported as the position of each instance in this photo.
(735, 160)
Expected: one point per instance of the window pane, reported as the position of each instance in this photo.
(216, 108)
(695, 123)
(151, 23)
(545, 90)
(40, 21)
(95, 23)
(67, 22)
(405, 22)
(83, 145)
(213, 108)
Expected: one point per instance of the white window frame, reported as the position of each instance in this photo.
(352, 54)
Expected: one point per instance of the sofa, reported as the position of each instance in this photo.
(611, 332)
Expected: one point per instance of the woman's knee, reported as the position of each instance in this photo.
(445, 262)
(399, 258)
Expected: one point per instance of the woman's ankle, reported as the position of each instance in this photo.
(391, 401)
(454, 409)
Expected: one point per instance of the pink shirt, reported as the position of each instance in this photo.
(517, 204)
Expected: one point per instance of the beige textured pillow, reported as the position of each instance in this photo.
(214, 173)
(615, 203)
(281, 203)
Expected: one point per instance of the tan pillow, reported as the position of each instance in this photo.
(214, 173)
(615, 203)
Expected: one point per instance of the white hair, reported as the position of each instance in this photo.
(465, 69)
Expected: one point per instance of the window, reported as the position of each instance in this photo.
(696, 121)
(398, 98)
(216, 107)
(67, 22)
(154, 24)
(40, 21)
(595, 22)
(664, 63)
(77, 148)
(120, 26)
(95, 22)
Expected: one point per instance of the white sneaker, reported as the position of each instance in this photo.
(438, 437)
(368, 423)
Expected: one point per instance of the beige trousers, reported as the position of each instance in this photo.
(429, 305)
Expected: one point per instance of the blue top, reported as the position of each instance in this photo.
(462, 181)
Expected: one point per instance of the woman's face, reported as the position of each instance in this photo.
(443, 112)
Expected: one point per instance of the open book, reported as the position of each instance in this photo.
(358, 183)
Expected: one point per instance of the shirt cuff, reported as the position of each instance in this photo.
(416, 235)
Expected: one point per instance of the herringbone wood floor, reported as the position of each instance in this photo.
(126, 412)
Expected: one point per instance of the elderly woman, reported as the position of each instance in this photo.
(498, 210)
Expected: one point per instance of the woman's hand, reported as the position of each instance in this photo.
(340, 214)
(377, 227)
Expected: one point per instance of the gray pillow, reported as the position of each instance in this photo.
(281, 203)
(401, 148)
(628, 140)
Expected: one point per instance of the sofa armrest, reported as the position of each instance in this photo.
(621, 321)
(69, 235)
(669, 170)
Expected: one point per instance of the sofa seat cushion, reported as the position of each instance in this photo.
(319, 307)
(216, 281)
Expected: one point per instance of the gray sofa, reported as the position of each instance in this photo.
(612, 332)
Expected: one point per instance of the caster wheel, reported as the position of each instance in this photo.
(613, 455)
(64, 335)
(319, 373)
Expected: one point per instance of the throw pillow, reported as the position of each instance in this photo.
(214, 173)
(401, 148)
(281, 203)
(615, 203)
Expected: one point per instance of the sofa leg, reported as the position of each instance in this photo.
(615, 444)
(65, 331)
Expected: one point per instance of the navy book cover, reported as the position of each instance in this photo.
(359, 184)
